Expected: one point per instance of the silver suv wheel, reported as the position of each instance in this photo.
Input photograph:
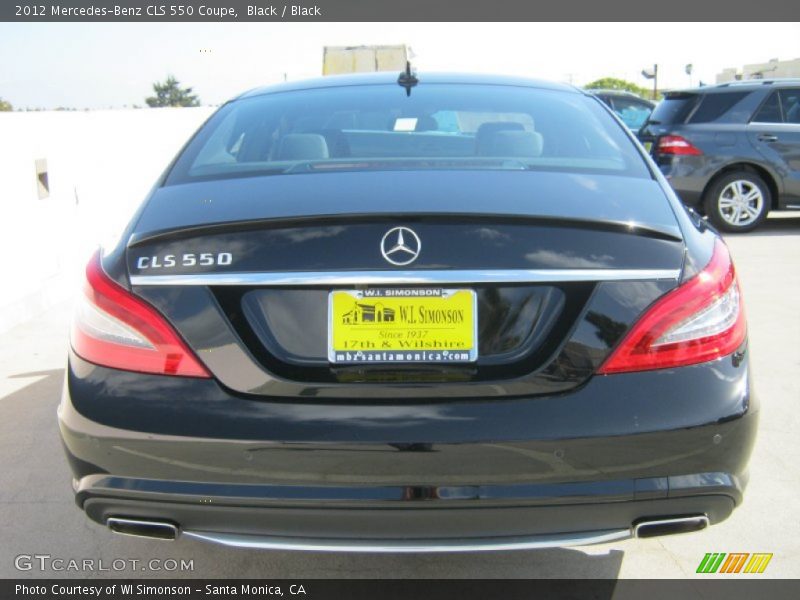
(740, 203)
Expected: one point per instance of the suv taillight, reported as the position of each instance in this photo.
(701, 320)
(677, 145)
(113, 328)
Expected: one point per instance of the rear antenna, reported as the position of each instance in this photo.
(407, 79)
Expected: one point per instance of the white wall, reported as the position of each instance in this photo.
(101, 164)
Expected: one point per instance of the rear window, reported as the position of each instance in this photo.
(770, 111)
(713, 106)
(781, 107)
(380, 127)
(673, 109)
(790, 101)
(633, 112)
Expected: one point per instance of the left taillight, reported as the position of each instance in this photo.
(699, 321)
(677, 145)
(113, 328)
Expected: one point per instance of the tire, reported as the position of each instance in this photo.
(738, 202)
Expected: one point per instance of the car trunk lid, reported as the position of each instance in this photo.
(553, 289)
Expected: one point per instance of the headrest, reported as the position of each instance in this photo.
(302, 146)
(512, 143)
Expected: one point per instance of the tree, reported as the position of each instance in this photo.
(169, 93)
(612, 83)
(5, 105)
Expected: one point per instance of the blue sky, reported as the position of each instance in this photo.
(100, 65)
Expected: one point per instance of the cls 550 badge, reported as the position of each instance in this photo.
(189, 259)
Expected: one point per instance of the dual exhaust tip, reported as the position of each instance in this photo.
(645, 528)
(656, 527)
(160, 530)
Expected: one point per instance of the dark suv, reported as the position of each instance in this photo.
(730, 151)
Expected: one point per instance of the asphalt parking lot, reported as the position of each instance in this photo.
(40, 518)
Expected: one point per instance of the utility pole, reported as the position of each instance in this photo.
(652, 74)
(655, 82)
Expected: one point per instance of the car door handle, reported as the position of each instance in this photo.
(767, 137)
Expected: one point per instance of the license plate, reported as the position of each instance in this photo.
(647, 146)
(415, 325)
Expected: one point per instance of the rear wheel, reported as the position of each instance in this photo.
(738, 202)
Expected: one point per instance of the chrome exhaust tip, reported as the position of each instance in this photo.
(159, 530)
(655, 527)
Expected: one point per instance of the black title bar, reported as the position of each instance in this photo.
(400, 10)
(370, 589)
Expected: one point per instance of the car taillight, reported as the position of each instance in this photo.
(699, 321)
(114, 328)
(677, 145)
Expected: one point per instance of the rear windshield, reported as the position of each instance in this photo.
(633, 112)
(380, 127)
(673, 109)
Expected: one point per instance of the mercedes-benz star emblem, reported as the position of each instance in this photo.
(400, 246)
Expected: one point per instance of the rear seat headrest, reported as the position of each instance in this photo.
(512, 143)
(302, 146)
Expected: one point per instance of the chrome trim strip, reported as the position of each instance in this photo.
(432, 545)
(420, 277)
(788, 127)
(701, 520)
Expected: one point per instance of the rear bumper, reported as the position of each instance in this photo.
(372, 519)
(457, 475)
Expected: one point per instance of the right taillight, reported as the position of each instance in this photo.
(113, 328)
(699, 321)
(677, 145)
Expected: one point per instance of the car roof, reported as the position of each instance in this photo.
(619, 93)
(611, 92)
(389, 77)
(738, 86)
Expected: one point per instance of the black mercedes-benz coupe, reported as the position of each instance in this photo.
(414, 313)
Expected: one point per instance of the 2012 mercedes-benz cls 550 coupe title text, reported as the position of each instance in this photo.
(410, 313)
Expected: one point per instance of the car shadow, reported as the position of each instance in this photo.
(556, 563)
(778, 224)
(58, 374)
